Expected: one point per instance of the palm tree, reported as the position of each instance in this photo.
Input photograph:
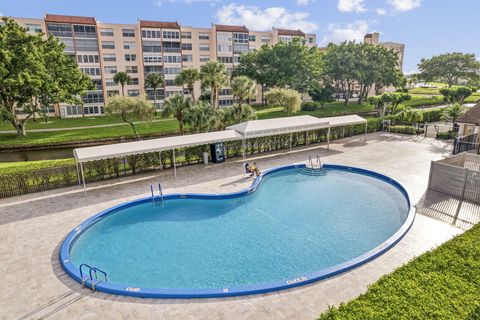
(203, 117)
(243, 88)
(123, 79)
(188, 76)
(178, 106)
(453, 112)
(239, 113)
(214, 76)
(154, 81)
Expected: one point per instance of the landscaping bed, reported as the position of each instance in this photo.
(441, 284)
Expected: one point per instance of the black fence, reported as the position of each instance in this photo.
(465, 143)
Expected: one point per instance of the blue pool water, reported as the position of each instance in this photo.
(293, 225)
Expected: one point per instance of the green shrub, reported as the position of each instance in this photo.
(403, 129)
(310, 106)
(447, 135)
(432, 115)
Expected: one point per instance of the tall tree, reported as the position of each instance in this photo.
(453, 112)
(388, 102)
(451, 68)
(154, 81)
(188, 77)
(34, 72)
(130, 109)
(178, 106)
(214, 76)
(239, 113)
(203, 117)
(322, 93)
(123, 79)
(289, 99)
(243, 88)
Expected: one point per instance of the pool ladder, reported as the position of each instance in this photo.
(92, 276)
(155, 200)
(314, 167)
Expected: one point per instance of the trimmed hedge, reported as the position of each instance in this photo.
(442, 284)
(309, 106)
(403, 129)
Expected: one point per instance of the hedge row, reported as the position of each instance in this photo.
(19, 182)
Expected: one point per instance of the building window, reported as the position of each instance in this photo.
(310, 40)
(186, 35)
(187, 46)
(87, 58)
(225, 102)
(226, 92)
(91, 71)
(252, 38)
(225, 59)
(135, 81)
(224, 48)
(203, 36)
(106, 32)
(85, 31)
(187, 58)
(240, 37)
(169, 82)
(286, 39)
(152, 69)
(204, 58)
(93, 97)
(86, 44)
(130, 57)
(149, 34)
(109, 57)
(172, 59)
(128, 33)
(224, 37)
(36, 28)
(129, 45)
(110, 83)
(111, 93)
(172, 70)
(110, 69)
(265, 39)
(204, 47)
(171, 46)
(173, 92)
(152, 46)
(133, 93)
(152, 59)
(108, 45)
(97, 83)
(60, 30)
(131, 69)
(171, 35)
(92, 110)
(73, 110)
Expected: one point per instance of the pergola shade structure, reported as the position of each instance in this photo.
(241, 131)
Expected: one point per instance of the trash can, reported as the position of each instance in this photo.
(205, 158)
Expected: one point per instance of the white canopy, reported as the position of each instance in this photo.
(153, 145)
(344, 120)
(267, 127)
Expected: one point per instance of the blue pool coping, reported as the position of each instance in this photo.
(132, 291)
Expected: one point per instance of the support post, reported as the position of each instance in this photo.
(343, 136)
(290, 141)
(78, 172)
(366, 131)
(328, 138)
(244, 151)
(83, 178)
(160, 159)
(174, 163)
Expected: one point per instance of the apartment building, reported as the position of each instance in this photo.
(399, 48)
(103, 49)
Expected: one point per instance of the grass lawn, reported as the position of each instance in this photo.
(440, 284)
(336, 108)
(169, 126)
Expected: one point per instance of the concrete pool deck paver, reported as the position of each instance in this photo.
(32, 228)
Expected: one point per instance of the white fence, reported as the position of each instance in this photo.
(458, 176)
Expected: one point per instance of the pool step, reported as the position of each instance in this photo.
(312, 171)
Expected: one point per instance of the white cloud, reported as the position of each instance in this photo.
(257, 19)
(304, 2)
(351, 6)
(159, 3)
(381, 11)
(349, 32)
(404, 5)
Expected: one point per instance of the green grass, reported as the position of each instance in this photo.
(441, 284)
(331, 109)
(169, 126)
(12, 167)
(67, 122)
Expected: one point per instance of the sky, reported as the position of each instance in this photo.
(426, 27)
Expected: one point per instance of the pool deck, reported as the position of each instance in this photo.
(32, 227)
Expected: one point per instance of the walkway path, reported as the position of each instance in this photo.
(32, 227)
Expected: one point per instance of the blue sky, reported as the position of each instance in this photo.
(427, 27)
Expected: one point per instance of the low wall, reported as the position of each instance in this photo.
(458, 176)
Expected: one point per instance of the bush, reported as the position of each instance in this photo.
(309, 106)
(432, 115)
(403, 129)
(447, 135)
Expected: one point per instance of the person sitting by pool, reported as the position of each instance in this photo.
(248, 169)
(255, 169)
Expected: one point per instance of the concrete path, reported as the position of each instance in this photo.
(32, 227)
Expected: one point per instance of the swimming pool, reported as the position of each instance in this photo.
(288, 229)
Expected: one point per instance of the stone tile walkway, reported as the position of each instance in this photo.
(32, 228)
